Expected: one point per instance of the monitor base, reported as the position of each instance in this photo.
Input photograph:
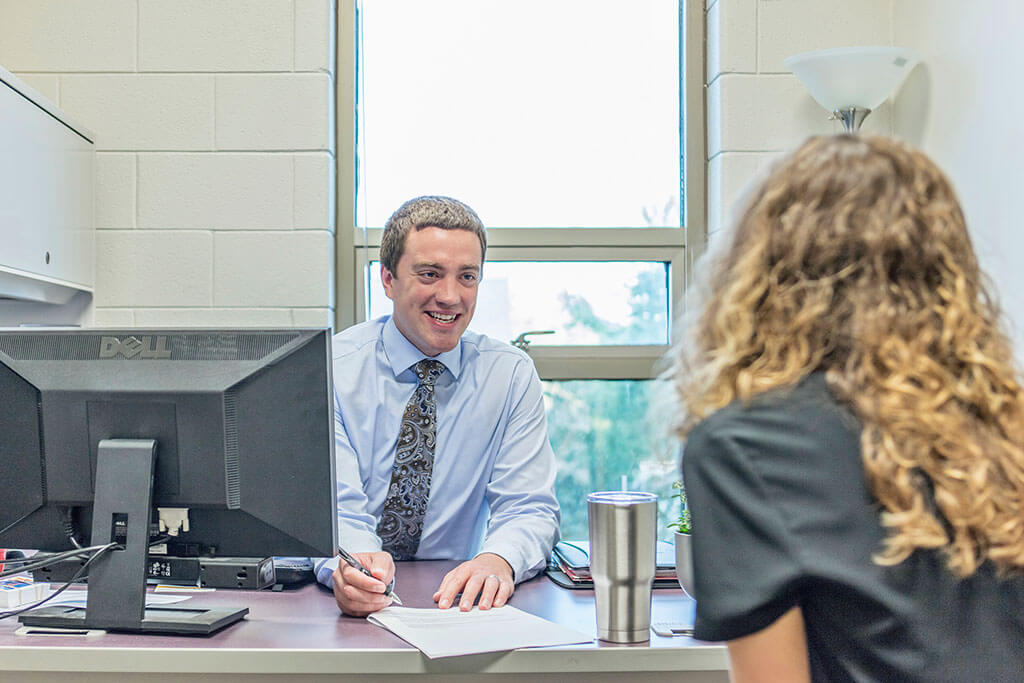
(199, 621)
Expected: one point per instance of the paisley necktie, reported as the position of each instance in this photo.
(401, 522)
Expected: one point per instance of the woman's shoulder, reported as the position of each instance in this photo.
(807, 404)
(796, 442)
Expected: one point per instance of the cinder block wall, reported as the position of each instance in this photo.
(757, 109)
(214, 125)
(961, 106)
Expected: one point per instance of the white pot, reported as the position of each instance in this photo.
(684, 563)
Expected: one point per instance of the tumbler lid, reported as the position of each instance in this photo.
(622, 497)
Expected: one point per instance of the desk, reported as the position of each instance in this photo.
(300, 636)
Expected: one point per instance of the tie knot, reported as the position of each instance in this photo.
(428, 371)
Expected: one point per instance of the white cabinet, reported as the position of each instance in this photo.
(47, 238)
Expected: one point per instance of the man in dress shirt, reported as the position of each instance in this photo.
(491, 500)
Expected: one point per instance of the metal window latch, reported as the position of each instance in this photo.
(521, 342)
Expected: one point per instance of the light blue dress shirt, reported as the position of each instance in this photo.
(492, 487)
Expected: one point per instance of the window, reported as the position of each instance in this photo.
(539, 114)
(597, 302)
(609, 435)
(571, 130)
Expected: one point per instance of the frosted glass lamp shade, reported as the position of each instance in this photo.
(852, 77)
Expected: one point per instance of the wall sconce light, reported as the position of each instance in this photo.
(851, 81)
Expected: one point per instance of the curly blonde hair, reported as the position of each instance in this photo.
(853, 258)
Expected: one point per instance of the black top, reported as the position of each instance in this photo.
(782, 517)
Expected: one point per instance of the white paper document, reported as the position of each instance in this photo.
(450, 632)
(77, 597)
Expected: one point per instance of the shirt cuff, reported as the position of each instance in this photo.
(512, 555)
(324, 568)
(352, 539)
(358, 540)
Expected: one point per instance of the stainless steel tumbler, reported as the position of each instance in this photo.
(623, 533)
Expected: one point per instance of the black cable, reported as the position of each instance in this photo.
(29, 564)
(45, 555)
(20, 564)
(14, 524)
(99, 553)
(25, 559)
(68, 522)
(22, 560)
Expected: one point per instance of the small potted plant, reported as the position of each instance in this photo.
(683, 530)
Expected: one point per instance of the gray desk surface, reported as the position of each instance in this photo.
(301, 635)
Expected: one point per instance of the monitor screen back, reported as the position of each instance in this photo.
(243, 421)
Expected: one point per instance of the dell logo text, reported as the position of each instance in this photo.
(134, 347)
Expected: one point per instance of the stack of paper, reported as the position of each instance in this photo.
(450, 632)
(21, 590)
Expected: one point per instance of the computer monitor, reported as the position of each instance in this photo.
(102, 432)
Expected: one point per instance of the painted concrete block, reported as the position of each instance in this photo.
(143, 111)
(140, 268)
(66, 35)
(313, 317)
(314, 191)
(114, 317)
(273, 268)
(47, 85)
(749, 113)
(731, 38)
(221, 191)
(314, 22)
(226, 35)
(213, 317)
(788, 27)
(274, 112)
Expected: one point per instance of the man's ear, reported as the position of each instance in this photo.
(387, 279)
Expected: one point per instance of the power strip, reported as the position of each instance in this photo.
(251, 573)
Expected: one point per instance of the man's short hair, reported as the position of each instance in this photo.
(427, 212)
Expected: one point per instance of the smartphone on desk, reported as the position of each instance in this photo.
(672, 628)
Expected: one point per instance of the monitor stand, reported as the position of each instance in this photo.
(122, 507)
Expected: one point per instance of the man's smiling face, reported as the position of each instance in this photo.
(434, 287)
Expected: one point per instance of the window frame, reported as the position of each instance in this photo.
(356, 247)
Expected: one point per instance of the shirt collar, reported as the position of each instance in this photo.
(402, 354)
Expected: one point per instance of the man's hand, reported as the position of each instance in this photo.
(356, 593)
(487, 575)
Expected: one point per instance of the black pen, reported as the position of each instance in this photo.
(353, 562)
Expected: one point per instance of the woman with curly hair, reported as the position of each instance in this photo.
(854, 430)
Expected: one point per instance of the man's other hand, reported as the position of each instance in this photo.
(358, 594)
(487, 575)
